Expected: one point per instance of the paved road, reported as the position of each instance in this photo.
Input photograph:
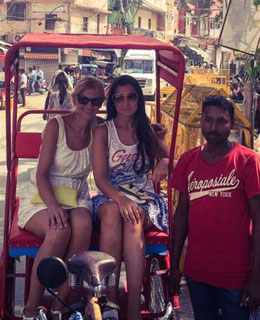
(35, 123)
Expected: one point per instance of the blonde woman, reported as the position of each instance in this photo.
(64, 162)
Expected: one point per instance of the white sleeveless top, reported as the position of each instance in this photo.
(71, 165)
(70, 169)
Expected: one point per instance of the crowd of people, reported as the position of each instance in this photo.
(219, 198)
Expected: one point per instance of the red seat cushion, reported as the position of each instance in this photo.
(28, 144)
(156, 236)
(20, 237)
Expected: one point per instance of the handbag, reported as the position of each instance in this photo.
(64, 195)
(135, 194)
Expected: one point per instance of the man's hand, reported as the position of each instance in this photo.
(251, 295)
(160, 171)
(159, 130)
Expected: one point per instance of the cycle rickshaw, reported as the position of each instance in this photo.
(22, 145)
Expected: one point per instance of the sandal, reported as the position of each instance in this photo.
(35, 317)
(58, 314)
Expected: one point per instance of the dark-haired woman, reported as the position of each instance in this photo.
(125, 150)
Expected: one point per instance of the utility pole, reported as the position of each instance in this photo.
(121, 16)
(69, 16)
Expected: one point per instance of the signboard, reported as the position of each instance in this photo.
(51, 7)
(240, 30)
(72, 51)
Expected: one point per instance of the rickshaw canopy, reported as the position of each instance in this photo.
(170, 60)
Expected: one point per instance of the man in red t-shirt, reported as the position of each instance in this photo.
(219, 195)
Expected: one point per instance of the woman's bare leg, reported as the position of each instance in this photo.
(81, 229)
(111, 240)
(134, 256)
(55, 243)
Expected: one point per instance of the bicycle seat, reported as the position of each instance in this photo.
(92, 266)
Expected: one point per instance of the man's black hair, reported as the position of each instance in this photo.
(221, 102)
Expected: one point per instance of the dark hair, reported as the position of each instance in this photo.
(220, 102)
(147, 143)
(111, 77)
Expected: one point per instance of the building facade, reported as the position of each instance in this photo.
(148, 17)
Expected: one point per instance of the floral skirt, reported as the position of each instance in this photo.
(157, 209)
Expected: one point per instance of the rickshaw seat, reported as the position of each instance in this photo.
(156, 241)
(22, 242)
(28, 144)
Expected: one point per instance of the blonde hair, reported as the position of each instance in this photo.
(88, 82)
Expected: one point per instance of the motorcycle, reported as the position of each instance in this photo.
(40, 86)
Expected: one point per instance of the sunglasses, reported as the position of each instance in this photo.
(130, 97)
(97, 102)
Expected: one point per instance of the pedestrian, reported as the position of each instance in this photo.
(22, 85)
(39, 76)
(236, 93)
(59, 93)
(32, 77)
(57, 206)
(219, 198)
(110, 79)
(125, 150)
(257, 116)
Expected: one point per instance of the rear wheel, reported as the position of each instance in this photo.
(157, 298)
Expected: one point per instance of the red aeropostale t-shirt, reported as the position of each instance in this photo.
(219, 244)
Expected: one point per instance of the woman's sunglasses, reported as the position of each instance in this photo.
(130, 97)
(97, 102)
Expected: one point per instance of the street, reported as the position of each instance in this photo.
(35, 123)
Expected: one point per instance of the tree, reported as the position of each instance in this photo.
(256, 3)
(202, 3)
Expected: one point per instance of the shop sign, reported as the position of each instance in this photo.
(51, 7)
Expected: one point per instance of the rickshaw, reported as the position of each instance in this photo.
(22, 145)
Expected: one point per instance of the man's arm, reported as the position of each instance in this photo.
(252, 290)
(180, 232)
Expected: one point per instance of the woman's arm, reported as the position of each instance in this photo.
(58, 216)
(160, 171)
(46, 105)
(129, 209)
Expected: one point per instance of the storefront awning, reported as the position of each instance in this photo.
(199, 51)
(41, 56)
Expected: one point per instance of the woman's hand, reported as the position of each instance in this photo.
(129, 210)
(58, 217)
(160, 171)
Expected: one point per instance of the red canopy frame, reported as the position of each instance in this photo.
(170, 66)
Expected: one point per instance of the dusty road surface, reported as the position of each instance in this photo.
(35, 123)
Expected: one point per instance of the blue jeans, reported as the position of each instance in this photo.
(211, 303)
(33, 86)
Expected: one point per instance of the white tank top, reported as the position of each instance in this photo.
(121, 160)
(69, 166)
